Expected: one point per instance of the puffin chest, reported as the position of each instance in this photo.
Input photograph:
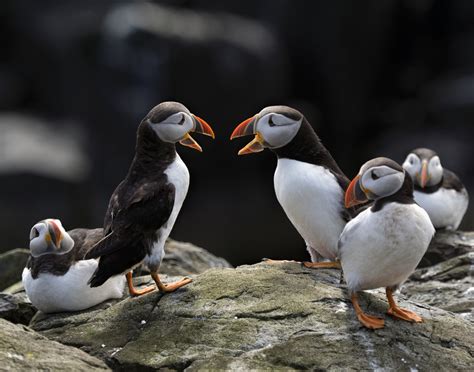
(312, 199)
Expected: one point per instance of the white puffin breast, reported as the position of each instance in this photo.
(383, 248)
(70, 292)
(178, 175)
(446, 207)
(312, 199)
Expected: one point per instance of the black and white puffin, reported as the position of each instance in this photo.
(144, 206)
(438, 190)
(55, 276)
(308, 182)
(382, 245)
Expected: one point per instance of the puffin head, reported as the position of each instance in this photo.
(172, 122)
(273, 127)
(424, 167)
(49, 237)
(378, 178)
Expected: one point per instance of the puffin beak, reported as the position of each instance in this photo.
(200, 126)
(247, 127)
(424, 174)
(54, 235)
(354, 194)
(190, 142)
(203, 127)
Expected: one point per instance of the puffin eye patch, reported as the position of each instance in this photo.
(181, 122)
(374, 175)
(270, 121)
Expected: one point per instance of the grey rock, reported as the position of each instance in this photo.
(11, 266)
(446, 245)
(263, 316)
(16, 308)
(22, 349)
(448, 285)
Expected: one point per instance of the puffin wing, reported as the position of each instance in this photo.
(452, 181)
(144, 210)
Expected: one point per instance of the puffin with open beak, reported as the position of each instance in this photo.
(309, 185)
(55, 276)
(438, 190)
(382, 245)
(144, 207)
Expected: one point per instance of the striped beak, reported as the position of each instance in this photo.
(200, 126)
(54, 235)
(354, 193)
(424, 177)
(246, 128)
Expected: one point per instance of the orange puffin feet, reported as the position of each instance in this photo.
(323, 265)
(170, 287)
(398, 312)
(276, 262)
(137, 292)
(368, 321)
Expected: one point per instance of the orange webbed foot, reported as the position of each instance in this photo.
(370, 321)
(404, 314)
(170, 287)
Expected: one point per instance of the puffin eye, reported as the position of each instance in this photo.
(374, 175)
(270, 121)
(411, 161)
(34, 233)
(181, 122)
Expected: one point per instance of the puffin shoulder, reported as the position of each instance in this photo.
(452, 181)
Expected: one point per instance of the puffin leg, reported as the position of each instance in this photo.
(398, 312)
(368, 321)
(170, 287)
(137, 292)
(323, 265)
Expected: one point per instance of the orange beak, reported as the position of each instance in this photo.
(424, 174)
(354, 194)
(201, 126)
(246, 128)
(54, 233)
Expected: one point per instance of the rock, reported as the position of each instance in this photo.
(22, 349)
(11, 266)
(446, 245)
(262, 316)
(16, 308)
(187, 259)
(448, 285)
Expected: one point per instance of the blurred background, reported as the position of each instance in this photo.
(373, 77)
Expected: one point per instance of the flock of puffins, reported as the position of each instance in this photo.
(375, 228)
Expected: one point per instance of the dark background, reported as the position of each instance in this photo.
(374, 77)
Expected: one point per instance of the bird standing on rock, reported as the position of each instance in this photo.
(437, 190)
(145, 205)
(55, 276)
(382, 246)
(308, 183)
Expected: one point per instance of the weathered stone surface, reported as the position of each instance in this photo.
(11, 266)
(262, 316)
(446, 245)
(22, 349)
(448, 285)
(16, 308)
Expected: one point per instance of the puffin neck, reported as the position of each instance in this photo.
(307, 147)
(429, 189)
(403, 196)
(151, 152)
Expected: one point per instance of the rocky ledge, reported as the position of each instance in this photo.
(272, 316)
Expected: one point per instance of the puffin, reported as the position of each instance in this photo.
(55, 276)
(143, 208)
(438, 190)
(383, 244)
(309, 185)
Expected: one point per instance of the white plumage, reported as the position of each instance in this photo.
(70, 292)
(381, 249)
(446, 207)
(312, 199)
(178, 175)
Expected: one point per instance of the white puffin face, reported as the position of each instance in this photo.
(277, 130)
(424, 172)
(380, 181)
(174, 128)
(49, 237)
